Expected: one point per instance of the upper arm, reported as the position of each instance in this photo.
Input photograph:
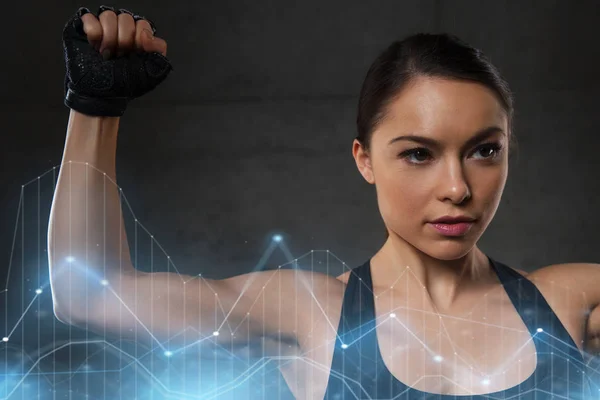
(585, 277)
(583, 281)
(184, 310)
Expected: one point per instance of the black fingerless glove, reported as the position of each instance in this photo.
(99, 87)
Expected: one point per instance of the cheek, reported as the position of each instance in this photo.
(401, 198)
(489, 187)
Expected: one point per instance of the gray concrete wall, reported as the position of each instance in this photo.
(251, 133)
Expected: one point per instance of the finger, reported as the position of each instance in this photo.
(92, 29)
(154, 44)
(108, 20)
(126, 33)
(140, 35)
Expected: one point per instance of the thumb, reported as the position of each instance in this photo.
(151, 43)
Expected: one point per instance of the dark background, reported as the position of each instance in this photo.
(251, 134)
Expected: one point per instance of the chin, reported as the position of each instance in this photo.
(448, 250)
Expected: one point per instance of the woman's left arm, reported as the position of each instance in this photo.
(584, 279)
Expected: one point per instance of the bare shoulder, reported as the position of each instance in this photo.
(576, 285)
(582, 277)
(569, 281)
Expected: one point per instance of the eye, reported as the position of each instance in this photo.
(421, 153)
(494, 147)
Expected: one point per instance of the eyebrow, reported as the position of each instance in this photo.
(482, 134)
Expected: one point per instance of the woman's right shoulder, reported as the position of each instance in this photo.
(310, 301)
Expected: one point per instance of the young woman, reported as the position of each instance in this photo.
(429, 315)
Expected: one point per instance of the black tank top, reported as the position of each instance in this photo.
(358, 370)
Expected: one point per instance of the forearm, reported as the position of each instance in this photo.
(86, 236)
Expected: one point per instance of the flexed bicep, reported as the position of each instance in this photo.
(262, 307)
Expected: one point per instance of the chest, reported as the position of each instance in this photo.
(480, 346)
(484, 348)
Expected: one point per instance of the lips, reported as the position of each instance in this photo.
(453, 220)
(457, 229)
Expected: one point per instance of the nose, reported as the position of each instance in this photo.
(453, 185)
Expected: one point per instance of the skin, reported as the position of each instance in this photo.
(120, 34)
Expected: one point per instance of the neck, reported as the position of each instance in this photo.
(444, 280)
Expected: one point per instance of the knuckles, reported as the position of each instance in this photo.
(119, 31)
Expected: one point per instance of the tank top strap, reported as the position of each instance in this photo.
(553, 342)
(358, 306)
(356, 350)
(530, 303)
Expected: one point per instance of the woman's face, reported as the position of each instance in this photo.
(452, 171)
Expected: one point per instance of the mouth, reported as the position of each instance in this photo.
(453, 229)
(453, 220)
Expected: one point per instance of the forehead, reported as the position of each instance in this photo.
(442, 109)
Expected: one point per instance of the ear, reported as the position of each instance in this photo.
(363, 161)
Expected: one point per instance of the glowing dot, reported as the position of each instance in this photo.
(168, 353)
(70, 259)
(485, 382)
(216, 333)
(277, 238)
(38, 291)
(438, 358)
(344, 346)
(540, 330)
(392, 315)
(5, 339)
(104, 282)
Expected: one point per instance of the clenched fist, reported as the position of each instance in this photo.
(111, 59)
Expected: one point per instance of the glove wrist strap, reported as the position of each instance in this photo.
(99, 107)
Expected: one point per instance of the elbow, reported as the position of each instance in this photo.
(79, 320)
(64, 311)
(63, 317)
(65, 306)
